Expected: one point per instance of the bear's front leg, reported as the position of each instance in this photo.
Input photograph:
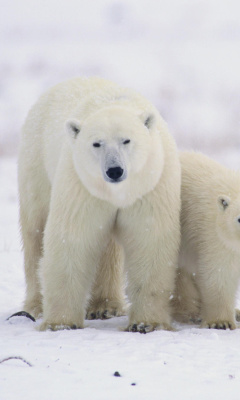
(107, 294)
(65, 285)
(218, 285)
(217, 311)
(76, 234)
(150, 260)
(150, 297)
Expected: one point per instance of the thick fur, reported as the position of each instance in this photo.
(209, 262)
(186, 301)
(78, 220)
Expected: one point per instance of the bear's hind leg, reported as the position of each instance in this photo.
(34, 201)
(107, 296)
(186, 302)
(32, 237)
(32, 243)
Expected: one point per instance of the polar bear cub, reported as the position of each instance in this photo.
(98, 172)
(209, 258)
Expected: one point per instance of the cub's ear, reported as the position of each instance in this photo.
(223, 202)
(148, 119)
(73, 128)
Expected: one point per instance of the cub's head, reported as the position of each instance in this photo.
(228, 221)
(114, 147)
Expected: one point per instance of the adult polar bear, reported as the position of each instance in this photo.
(97, 165)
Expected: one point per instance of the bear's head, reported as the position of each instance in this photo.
(117, 153)
(228, 221)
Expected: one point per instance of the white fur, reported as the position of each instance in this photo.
(72, 209)
(210, 245)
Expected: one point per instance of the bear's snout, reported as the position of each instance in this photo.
(238, 219)
(114, 173)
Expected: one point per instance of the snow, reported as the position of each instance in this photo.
(184, 56)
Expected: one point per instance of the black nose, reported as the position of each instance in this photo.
(114, 173)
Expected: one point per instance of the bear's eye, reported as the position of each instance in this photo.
(96, 144)
(224, 203)
(126, 141)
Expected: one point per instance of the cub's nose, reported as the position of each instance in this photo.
(114, 173)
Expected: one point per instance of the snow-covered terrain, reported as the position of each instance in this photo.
(185, 57)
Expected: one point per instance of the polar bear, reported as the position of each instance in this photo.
(99, 173)
(209, 260)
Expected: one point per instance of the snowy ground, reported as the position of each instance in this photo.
(184, 56)
(191, 363)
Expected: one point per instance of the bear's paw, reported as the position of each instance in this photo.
(219, 324)
(46, 326)
(105, 309)
(146, 328)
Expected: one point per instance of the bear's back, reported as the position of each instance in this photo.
(203, 181)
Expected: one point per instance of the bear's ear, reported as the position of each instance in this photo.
(223, 202)
(73, 128)
(148, 119)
